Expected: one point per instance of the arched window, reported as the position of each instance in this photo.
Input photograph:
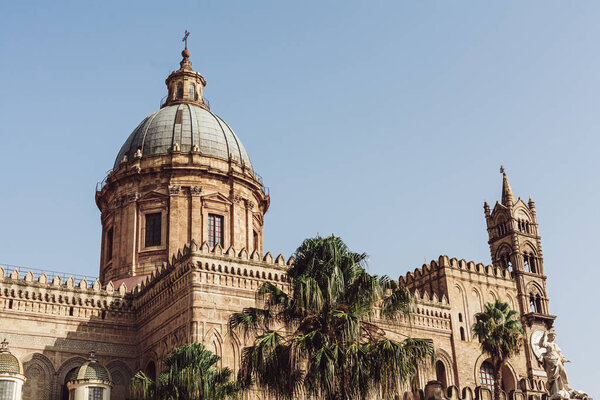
(538, 303)
(180, 90)
(486, 376)
(532, 264)
(462, 334)
(440, 373)
(459, 317)
(192, 92)
(531, 302)
(526, 261)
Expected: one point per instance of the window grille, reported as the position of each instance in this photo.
(7, 390)
(153, 229)
(95, 393)
(215, 230)
(486, 376)
(192, 92)
(179, 90)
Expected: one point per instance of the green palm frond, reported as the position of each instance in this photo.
(500, 335)
(189, 372)
(398, 303)
(329, 345)
(250, 320)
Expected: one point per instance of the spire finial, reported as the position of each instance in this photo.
(508, 198)
(185, 38)
(185, 53)
(4, 345)
(93, 355)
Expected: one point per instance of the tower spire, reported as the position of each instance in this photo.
(508, 198)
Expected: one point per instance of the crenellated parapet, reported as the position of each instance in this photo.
(215, 267)
(427, 278)
(66, 298)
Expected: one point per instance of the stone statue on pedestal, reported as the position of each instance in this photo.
(553, 361)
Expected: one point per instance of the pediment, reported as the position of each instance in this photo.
(217, 198)
(153, 195)
(499, 208)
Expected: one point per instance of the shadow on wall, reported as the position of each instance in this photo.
(47, 372)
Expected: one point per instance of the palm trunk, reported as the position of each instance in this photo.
(497, 379)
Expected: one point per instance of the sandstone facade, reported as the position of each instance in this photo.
(206, 260)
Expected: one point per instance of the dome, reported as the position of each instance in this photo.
(91, 369)
(9, 364)
(188, 127)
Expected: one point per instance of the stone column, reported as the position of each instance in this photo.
(173, 220)
(196, 214)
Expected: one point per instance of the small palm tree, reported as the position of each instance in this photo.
(321, 338)
(500, 333)
(189, 372)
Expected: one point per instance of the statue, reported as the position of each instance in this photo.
(553, 361)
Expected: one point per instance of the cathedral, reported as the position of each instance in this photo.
(182, 214)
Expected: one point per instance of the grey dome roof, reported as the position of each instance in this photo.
(9, 364)
(91, 369)
(187, 125)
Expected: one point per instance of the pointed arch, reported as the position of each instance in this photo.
(60, 387)
(214, 342)
(476, 293)
(39, 371)
(464, 307)
(121, 374)
(231, 352)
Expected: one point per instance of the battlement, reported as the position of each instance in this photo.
(267, 268)
(69, 298)
(423, 274)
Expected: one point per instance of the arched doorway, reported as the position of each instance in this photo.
(151, 370)
(440, 374)
(64, 391)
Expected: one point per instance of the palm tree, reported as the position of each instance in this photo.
(189, 372)
(500, 333)
(320, 337)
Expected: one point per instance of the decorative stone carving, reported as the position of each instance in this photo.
(553, 361)
(117, 202)
(131, 197)
(174, 190)
(195, 190)
(237, 199)
(249, 205)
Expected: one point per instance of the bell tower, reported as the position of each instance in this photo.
(515, 244)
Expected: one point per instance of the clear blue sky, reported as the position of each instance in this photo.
(382, 122)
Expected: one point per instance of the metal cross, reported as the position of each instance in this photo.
(502, 169)
(185, 38)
